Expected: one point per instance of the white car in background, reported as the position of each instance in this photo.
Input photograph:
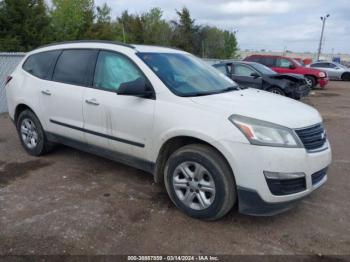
(168, 113)
(334, 70)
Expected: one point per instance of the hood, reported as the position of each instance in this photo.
(311, 71)
(292, 77)
(261, 105)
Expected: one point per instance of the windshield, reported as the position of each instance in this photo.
(297, 63)
(263, 69)
(186, 75)
(340, 65)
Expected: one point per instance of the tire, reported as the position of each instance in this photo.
(277, 91)
(32, 135)
(310, 81)
(345, 77)
(213, 194)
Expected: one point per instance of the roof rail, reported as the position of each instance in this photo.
(89, 41)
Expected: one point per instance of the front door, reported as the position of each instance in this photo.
(284, 66)
(242, 74)
(120, 123)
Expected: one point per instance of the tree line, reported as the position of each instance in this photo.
(28, 24)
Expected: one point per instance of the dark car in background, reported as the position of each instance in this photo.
(286, 65)
(255, 75)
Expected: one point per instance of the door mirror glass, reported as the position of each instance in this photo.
(137, 87)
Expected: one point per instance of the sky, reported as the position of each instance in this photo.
(262, 24)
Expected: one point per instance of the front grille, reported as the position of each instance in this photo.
(312, 137)
(286, 186)
(318, 176)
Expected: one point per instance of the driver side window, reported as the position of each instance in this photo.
(113, 69)
(242, 70)
(282, 62)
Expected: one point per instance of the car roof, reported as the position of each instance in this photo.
(106, 45)
(236, 62)
(274, 56)
(156, 49)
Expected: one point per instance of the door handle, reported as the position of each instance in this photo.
(92, 101)
(46, 92)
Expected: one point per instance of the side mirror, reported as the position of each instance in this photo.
(137, 88)
(255, 75)
(292, 67)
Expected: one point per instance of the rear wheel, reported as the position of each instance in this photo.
(31, 134)
(200, 182)
(310, 81)
(277, 90)
(345, 77)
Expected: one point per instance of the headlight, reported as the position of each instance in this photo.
(264, 133)
(322, 74)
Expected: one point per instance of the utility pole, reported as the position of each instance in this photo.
(323, 19)
(203, 51)
(123, 33)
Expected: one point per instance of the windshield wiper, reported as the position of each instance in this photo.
(228, 89)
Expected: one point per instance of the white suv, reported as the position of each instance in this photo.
(168, 113)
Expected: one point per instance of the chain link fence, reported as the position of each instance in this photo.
(8, 62)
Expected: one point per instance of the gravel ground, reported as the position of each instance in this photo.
(69, 202)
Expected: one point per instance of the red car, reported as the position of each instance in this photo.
(284, 65)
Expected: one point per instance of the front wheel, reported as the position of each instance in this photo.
(310, 81)
(277, 91)
(200, 182)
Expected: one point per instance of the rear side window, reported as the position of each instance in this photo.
(268, 61)
(75, 67)
(40, 64)
(221, 68)
(324, 65)
(254, 59)
(319, 65)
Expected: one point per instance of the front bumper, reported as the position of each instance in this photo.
(301, 91)
(322, 82)
(249, 162)
(250, 203)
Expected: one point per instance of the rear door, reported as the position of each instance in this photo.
(38, 68)
(119, 123)
(242, 74)
(329, 68)
(61, 98)
(333, 71)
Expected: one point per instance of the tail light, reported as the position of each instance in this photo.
(8, 79)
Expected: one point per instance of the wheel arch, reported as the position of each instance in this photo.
(20, 108)
(343, 76)
(273, 86)
(174, 143)
(314, 77)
